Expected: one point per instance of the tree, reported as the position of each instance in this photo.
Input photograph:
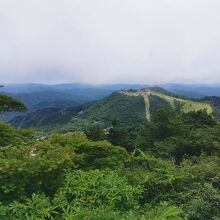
(95, 188)
(13, 136)
(199, 119)
(95, 133)
(8, 104)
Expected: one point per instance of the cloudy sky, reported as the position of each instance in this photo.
(109, 41)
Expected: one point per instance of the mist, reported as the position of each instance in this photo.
(117, 41)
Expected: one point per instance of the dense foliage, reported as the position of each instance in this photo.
(127, 110)
(46, 117)
(166, 169)
(8, 104)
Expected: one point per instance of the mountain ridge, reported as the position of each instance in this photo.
(128, 107)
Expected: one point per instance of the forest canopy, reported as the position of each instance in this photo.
(166, 169)
(8, 104)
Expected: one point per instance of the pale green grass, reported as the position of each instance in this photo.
(147, 107)
(188, 105)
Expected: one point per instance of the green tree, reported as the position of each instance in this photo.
(99, 155)
(199, 119)
(95, 188)
(95, 133)
(8, 104)
(12, 136)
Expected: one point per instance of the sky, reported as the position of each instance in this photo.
(109, 41)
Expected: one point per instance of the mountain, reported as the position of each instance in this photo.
(193, 90)
(127, 110)
(40, 97)
(34, 87)
(46, 117)
(127, 107)
(30, 103)
(33, 95)
(75, 95)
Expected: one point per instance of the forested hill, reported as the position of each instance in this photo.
(128, 108)
(166, 169)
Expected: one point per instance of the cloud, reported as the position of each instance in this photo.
(109, 41)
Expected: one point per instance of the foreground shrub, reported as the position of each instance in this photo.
(92, 189)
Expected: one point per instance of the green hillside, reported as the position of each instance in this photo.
(46, 117)
(128, 108)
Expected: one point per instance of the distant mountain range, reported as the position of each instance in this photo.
(193, 90)
(189, 90)
(32, 87)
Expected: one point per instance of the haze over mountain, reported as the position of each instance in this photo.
(190, 90)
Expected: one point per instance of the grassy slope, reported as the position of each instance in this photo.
(188, 105)
(147, 107)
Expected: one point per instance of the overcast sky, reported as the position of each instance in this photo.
(109, 41)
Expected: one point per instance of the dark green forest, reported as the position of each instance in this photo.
(164, 169)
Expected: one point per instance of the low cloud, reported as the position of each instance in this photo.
(109, 41)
